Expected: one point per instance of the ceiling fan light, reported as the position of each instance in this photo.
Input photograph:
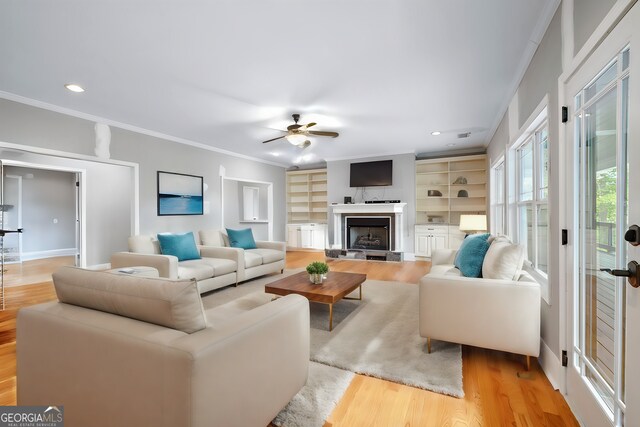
(296, 139)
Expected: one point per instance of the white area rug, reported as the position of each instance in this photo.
(315, 402)
(377, 336)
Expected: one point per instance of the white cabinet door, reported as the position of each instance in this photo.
(305, 237)
(319, 233)
(422, 245)
(292, 236)
(438, 241)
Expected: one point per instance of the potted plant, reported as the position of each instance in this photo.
(316, 271)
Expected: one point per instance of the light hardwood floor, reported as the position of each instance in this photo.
(497, 391)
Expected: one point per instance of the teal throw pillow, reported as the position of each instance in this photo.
(471, 255)
(241, 238)
(182, 246)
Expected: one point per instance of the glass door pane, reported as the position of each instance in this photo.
(600, 226)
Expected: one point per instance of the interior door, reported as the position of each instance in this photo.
(603, 310)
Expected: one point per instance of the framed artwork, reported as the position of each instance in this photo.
(180, 194)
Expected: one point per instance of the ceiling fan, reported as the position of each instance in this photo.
(297, 134)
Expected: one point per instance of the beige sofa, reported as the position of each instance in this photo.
(496, 314)
(130, 351)
(214, 270)
(269, 257)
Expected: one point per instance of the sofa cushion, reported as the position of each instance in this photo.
(268, 255)
(144, 244)
(242, 239)
(195, 269)
(221, 266)
(183, 246)
(503, 260)
(174, 304)
(252, 259)
(444, 270)
(212, 238)
(471, 255)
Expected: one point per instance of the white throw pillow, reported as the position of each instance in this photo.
(212, 238)
(503, 260)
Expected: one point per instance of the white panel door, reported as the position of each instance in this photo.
(422, 245)
(319, 237)
(603, 316)
(439, 241)
(305, 237)
(292, 236)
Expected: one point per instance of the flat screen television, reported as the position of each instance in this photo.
(371, 174)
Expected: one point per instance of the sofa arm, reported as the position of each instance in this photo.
(260, 359)
(167, 265)
(278, 246)
(497, 314)
(443, 256)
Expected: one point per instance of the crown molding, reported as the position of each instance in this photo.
(79, 114)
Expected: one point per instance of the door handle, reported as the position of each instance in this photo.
(632, 273)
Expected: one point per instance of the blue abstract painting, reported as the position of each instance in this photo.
(180, 194)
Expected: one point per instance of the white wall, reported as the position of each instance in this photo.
(234, 205)
(31, 126)
(540, 80)
(403, 188)
(47, 195)
(587, 15)
(109, 201)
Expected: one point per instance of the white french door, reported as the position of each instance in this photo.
(603, 142)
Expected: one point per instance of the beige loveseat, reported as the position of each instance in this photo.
(269, 257)
(134, 352)
(496, 314)
(214, 270)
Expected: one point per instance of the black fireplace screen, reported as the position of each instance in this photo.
(368, 233)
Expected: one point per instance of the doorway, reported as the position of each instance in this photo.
(601, 308)
(45, 204)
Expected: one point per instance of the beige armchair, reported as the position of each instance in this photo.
(496, 314)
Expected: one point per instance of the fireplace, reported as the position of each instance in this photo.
(368, 232)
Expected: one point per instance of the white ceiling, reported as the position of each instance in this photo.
(227, 73)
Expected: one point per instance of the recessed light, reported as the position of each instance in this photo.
(74, 87)
(451, 144)
(436, 133)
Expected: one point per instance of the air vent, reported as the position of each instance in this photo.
(464, 135)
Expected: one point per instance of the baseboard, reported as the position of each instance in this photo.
(105, 266)
(408, 256)
(29, 256)
(551, 365)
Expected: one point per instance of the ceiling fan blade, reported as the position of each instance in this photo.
(308, 125)
(323, 133)
(274, 139)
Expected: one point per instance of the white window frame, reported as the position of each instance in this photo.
(496, 204)
(537, 120)
(536, 200)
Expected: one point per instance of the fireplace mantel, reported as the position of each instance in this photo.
(397, 209)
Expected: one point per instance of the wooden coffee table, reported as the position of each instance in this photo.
(334, 288)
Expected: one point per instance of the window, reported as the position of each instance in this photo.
(532, 172)
(498, 198)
